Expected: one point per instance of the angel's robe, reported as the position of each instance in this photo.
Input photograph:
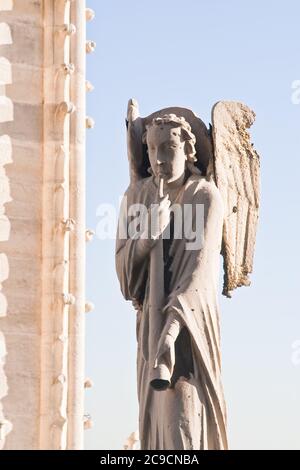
(191, 413)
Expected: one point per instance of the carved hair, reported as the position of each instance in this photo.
(186, 133)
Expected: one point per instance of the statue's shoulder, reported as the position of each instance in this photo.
(137, 189)
(203, 187)
(199, 183)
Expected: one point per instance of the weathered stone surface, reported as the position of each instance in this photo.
(38, 189)
(27, 85)
(6, 5)
(5, 71)
(23, 38)
(174, 287)
(5, 34)
(237, 176)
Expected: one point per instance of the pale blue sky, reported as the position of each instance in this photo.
(192, 54)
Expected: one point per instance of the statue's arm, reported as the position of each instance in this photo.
(165, 355)
(132, 259)
(132, 254)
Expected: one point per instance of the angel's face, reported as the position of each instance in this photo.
(166, 150)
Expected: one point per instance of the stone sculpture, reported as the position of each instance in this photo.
(168, 264)
(42, 226)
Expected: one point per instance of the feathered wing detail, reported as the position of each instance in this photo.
(236, 171)
(134, 140)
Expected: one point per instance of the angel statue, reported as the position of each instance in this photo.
(170, 277)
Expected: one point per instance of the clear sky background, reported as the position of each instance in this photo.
(192, 54)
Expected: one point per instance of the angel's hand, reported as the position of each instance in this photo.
(166, 344)
(166, 352)
(137, 305)
(160, 216)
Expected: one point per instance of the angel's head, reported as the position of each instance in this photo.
(171, 146)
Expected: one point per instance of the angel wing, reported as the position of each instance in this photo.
(135, 151)
(236, 171)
